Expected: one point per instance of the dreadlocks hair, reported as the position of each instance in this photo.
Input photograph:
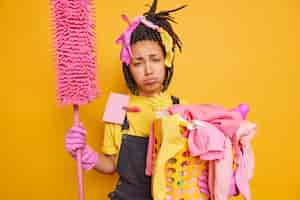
(162, 19)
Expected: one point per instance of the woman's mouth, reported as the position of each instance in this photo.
(150, 81)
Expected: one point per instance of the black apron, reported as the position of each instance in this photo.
(133, 184)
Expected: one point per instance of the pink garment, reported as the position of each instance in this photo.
(227, 121)
(221, 180)
(149, 160)
(206, 141)
(245, 162)
(220, 174)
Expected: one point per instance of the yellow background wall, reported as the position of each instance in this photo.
(234, 51)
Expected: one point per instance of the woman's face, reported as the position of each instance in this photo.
(148, 67)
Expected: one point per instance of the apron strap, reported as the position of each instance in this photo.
(175, 100)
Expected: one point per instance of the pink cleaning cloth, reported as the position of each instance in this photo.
(115, 109)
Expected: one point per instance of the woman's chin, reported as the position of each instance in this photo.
(151, 88)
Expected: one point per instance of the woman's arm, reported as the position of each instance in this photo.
(76, 139)
(105, 163)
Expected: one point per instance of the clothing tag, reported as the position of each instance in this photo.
(114, 112)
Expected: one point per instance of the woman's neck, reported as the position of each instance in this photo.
(152, 94)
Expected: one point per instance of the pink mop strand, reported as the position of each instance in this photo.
(75, 44)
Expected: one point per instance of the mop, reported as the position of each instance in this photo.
(74, 41)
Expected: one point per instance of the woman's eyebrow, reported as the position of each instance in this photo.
(153, 55)
(138, 58)
(141, 58)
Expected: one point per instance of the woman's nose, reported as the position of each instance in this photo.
(148, 68)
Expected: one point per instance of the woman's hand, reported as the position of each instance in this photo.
(75, 139)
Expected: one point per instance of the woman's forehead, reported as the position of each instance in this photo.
(146, 48)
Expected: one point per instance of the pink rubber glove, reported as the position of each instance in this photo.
(76, 139)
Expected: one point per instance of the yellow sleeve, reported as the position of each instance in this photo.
(111, 139)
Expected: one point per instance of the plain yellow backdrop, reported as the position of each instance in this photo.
(234, 51)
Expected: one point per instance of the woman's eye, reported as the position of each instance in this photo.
(156, 60)
(137, 64)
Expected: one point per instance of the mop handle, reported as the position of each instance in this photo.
(78, 155)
